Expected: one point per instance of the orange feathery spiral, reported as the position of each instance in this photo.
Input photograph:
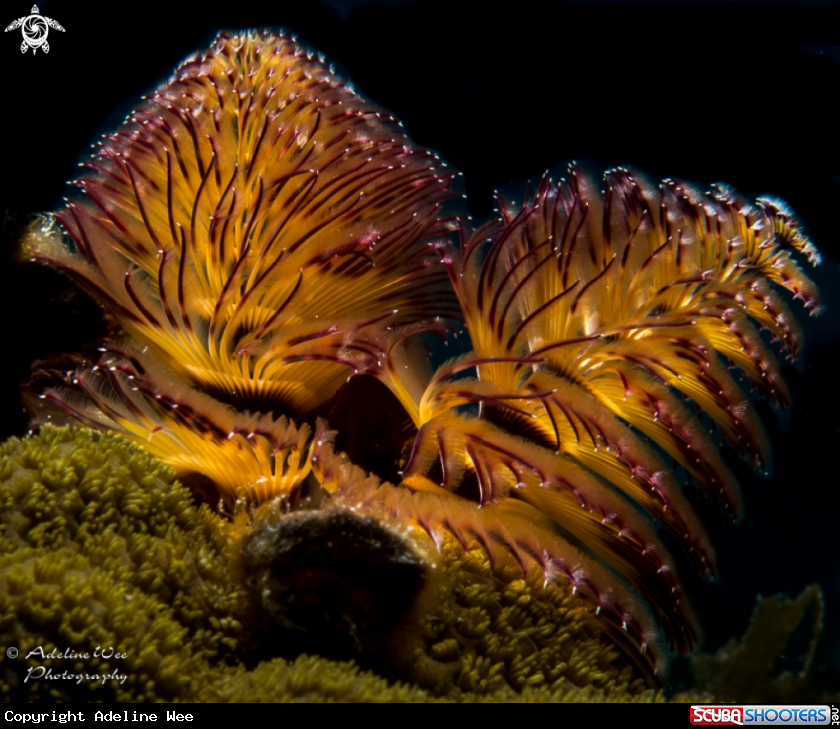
(256, 456)
(258, 226)
(590, 313)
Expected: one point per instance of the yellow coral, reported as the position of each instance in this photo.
(121, 510)
(58, 600)
(100, 547)
(491, 631)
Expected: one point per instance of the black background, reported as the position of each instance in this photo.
(743, 93)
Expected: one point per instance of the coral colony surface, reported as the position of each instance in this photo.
(275, 250)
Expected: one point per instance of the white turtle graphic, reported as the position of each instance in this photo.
(35, 29)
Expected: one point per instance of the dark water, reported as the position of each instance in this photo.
(704, 92)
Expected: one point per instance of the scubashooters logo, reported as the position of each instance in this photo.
(35, 29)
(779, 715)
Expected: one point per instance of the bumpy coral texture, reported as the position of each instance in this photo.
(101, 547)
(495, 630)
(262, 234)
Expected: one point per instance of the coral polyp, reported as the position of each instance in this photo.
(262, 235)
